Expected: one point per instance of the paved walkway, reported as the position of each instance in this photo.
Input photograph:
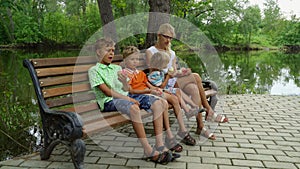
(263, 132)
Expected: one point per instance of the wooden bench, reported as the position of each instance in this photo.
(67, 104)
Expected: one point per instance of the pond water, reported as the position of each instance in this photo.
(261, 72)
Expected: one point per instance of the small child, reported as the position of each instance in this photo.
(158, 78)
(139, 84)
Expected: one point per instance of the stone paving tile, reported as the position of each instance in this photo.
(61, 165)
(12, 167)
(262, 133)
(232, 167)
(15, 162)
(260, 157)
(249, 163)
(197, 166)
(34, 163)
(280, 165)
(208, 160)
(116, 161)
(230, 155)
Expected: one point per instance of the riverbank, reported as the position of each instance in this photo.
(260, 134)
(223, 48)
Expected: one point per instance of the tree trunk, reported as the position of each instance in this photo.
(83, 7)
(107, 18)
(157, 16)
(11, 25)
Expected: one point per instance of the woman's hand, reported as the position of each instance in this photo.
(184, 72)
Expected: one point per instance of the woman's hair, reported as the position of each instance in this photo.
(104, 42)
(129, 50)
(159, 60)
(166, 28)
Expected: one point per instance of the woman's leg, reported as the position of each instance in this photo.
(187, 99)
(210, 114)
(197, 97)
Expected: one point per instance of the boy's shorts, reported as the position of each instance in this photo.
(123, 105)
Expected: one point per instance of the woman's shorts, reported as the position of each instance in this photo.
(123, 105)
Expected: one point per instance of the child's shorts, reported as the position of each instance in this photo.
(123, 105)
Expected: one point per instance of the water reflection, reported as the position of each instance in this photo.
(284, 86)
(261, 73)
(19, 114)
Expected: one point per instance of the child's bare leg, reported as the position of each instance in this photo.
(177, 110)
(170, 140)
(138, 127)
(181, 101)
(158, 108)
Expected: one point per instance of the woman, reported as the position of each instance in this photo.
(165, 35)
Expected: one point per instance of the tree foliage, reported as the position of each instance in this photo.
(226, 22)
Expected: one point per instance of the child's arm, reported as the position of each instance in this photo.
(134, 91)
(165, 82)
(150, 86)
(111, 93)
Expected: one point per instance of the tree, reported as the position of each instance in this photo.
(250, 23)
(107, 18)
(6, 20)
(271, 17)
(156, 18)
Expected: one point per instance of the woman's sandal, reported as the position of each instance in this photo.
(206, 133)
(217, 118)
(162, 158)
(186, 138)
(174, 155)
(173, 145)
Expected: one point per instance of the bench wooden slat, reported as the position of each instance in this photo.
(58, 80)
(104, 124)
(70, 100)
(83, 108)
(117, 120)
(53, 61)
(58, 91)
(49, 62)
(65, 70)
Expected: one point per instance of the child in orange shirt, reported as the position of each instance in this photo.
(139, 84)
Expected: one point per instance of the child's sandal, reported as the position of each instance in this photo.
(162, 158)
(187, 138)
(174, 155)
(173, 145)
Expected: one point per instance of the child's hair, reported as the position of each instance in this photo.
(129, 50)
(104, 42)
(159, 60)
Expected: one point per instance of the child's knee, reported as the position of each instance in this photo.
(134, 110)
